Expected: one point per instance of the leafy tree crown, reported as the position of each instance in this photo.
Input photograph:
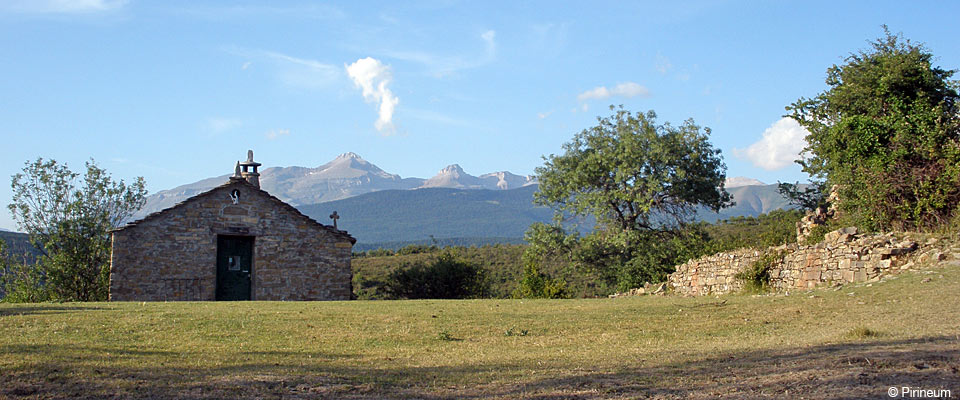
(633, 174)
(886, 132)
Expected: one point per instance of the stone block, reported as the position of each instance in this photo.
(860, 276)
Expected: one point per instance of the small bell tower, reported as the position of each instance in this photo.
(249, 170)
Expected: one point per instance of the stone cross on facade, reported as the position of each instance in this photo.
(334, 217)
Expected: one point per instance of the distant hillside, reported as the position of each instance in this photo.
(393, 218)
(415, 215)
(19, 247)
(751, 201)
(441, 243)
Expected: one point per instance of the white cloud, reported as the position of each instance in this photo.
(779, 147)
(444, 65)
(599, 92)
(275, 134)
(218, 125)
(61, 6)
(298, 61)
(433, 116)
(663, 63)
(259, 12)
(544, 115)
(293, 71)
(626, 89)
(372, 77)
(491, 45)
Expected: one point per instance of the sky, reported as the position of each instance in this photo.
(178, 91)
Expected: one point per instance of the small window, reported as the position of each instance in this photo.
(233, 263)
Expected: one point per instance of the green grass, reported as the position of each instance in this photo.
(588, 348)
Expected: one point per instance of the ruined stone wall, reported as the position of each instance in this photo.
(843, 256)
(713, 274)
(172, 255)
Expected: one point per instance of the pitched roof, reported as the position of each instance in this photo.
(232, 182)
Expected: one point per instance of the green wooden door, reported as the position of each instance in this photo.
(234, 267)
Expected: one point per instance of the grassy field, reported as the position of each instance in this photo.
(848, 343)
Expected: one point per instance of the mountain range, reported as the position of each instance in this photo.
(392, 218)
(379, 207)
(345, 176)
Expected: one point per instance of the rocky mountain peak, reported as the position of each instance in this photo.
(349, 155)
(453, 176)
(452, 169)
(739, 181)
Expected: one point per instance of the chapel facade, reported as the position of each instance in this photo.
(233, 242)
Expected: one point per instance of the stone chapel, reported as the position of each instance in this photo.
(233, 242)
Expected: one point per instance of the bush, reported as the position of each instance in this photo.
(817, 234)
(537, 285)
(23, 283)
(416, 249)
(887, 134)
(374, 253)
(448, 277)
(756, 277)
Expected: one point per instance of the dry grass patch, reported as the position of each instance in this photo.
(660, 347)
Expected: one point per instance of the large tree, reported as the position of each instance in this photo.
(634, 175)
(643, 183)
(68, 218)
(886, 134)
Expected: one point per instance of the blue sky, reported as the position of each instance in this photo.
(178, 91)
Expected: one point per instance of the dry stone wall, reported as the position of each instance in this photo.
(712, 274)
(843, 256)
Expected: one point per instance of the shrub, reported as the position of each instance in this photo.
(887, 133)
(862, 333)
(756, 277)
(448, 277)
(513, 331)
(446, 336)
(24, 283)
(817, 233)
(416, 249)
(537, 285)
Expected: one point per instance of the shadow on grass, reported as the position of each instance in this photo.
(44, 309)
(96, 372)
(845, 370)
